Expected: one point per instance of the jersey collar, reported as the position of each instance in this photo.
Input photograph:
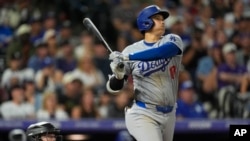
(148, 44)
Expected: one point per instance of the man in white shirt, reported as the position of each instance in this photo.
(17, 108)
(14, 74)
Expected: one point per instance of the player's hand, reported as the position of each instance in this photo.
(117, 71)
(118, 55)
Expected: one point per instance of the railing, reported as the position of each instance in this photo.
(115, 125)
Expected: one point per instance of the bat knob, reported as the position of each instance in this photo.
(121, 65)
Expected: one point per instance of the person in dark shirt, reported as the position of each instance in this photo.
(87, 107)
(116, 109)
(69, 95)
(192, 54)
(230, 73)
(66, 62)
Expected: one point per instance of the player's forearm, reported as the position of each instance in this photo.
(167, 50)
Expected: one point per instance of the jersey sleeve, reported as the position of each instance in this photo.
(167, 47)
(128, 64)
(173, 38)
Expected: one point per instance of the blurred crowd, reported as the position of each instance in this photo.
(53, 68)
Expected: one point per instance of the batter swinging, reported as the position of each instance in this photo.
(154, 64)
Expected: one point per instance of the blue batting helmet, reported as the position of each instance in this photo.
(144, 21)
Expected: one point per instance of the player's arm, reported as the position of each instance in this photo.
(114, 84)
(117, 80)
(167, 50)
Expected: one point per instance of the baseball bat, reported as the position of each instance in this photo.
(91, 27)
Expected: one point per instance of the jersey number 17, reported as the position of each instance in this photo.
(172, 71)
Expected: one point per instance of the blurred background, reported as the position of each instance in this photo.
(52, 69)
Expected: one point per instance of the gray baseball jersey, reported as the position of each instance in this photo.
(155, 82)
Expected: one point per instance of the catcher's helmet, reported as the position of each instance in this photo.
(36, 130)
(144, 21)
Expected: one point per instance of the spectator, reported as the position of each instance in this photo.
(39, 56)
(245, 85)
(48, 78)
(15, 74)
(36, 33)
(233, 84)
(208, 37)
(3, 96)
(103, 104)
(189, 23)
(31, 95)
(121, 100)
(126, 38)
(87, 107)
(230, 73)
(65, 34)
(17, 108)
(85, 46)
(219, 8)
(70, 93)
(21, 43)
(123, 15)
(220, 37)
(205, 72)
(66, 61)
(243, 54)
(6, 34)
(189, 6)
(49, 38)
(241, 31)
(192, 54)
(50, 109)
(188, 104)
(232, 17)
(177, 27)
(101, 16)
(161, 3)
(218, 24)
(101, 59)
(89, 74)
(204, 18)
(49, 21)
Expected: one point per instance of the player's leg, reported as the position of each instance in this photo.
(142, 127)
(169, 126)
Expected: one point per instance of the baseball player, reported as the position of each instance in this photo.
(43, 131)
(154, 63)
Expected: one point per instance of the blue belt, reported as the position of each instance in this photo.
(163, 109)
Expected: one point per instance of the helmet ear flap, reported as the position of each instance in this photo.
(148, 24)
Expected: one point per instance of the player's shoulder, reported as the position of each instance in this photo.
(172, 37)
(133, 47)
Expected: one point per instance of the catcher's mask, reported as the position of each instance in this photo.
(43, 131)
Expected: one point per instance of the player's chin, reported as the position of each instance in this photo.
(161, 31)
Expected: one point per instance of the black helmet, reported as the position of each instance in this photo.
(40, 128)
(17, 135)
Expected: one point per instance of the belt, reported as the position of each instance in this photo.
(163, 109)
